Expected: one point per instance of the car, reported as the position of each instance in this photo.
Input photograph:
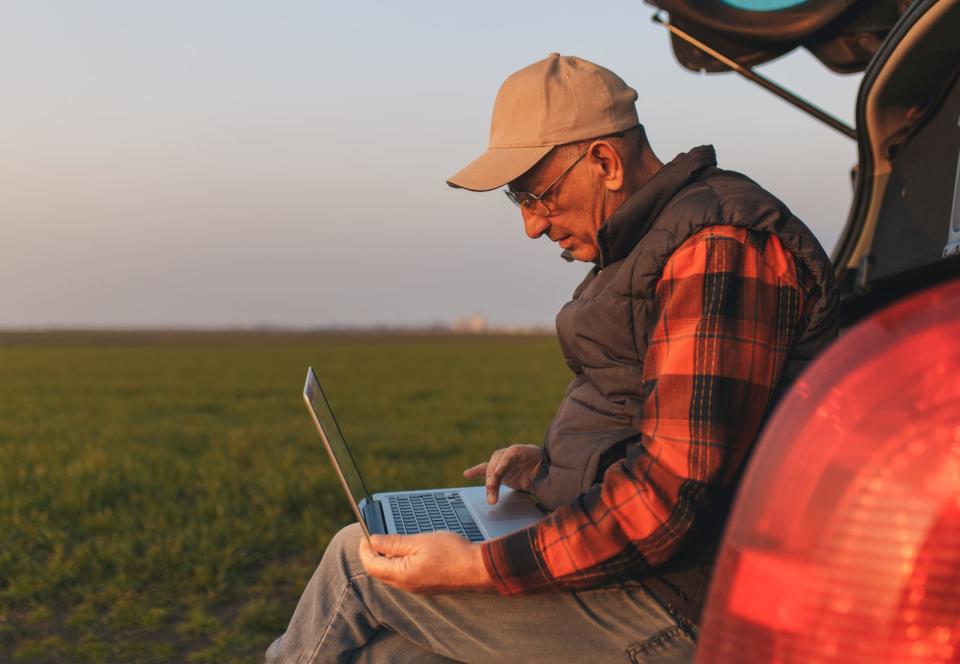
(843, 544)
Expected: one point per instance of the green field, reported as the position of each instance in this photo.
(164, 497)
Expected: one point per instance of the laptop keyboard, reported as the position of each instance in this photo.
(428, 512)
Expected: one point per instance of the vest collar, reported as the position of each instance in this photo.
(623, 229)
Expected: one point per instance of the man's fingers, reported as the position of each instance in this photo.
(493, 491)
(493, 471)
(391, 545)
(476, 471)
(494, 475)
(381, 567)
(392, 562)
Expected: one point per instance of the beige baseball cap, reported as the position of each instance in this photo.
(560, 99)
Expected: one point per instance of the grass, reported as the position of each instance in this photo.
(165, 497)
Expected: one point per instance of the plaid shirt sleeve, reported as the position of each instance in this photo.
(729, 306)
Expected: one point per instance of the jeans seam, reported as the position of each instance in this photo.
(333, 616)
(659, 639)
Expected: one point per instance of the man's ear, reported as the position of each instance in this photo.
(608, 164)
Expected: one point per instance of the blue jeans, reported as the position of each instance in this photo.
(346, 616)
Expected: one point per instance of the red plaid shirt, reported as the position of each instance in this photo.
(730, 305)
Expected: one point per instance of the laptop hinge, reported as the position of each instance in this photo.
(373, 515)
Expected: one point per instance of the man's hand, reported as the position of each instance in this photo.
(515, 466)
(429, 563)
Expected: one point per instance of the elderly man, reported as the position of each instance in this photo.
(705, 298)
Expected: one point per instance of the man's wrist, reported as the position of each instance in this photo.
(479, 569)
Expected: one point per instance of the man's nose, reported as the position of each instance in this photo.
(534, 224)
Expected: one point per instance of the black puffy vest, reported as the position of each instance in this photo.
(603, 330)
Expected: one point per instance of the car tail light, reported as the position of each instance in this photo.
(844, 542)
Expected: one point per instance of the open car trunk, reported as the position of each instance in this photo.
(903, 228)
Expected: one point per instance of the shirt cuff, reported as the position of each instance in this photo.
(515, 565)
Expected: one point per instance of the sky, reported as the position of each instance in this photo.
(242, 164)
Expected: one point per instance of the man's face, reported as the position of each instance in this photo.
(575, 204)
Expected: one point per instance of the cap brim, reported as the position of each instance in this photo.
(498, 166)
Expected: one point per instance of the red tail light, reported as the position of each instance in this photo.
(844, 543)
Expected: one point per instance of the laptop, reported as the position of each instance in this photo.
(461, 510)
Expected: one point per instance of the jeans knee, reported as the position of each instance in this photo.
(344, 548)
(346, 537)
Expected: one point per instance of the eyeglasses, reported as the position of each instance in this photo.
(534, 202)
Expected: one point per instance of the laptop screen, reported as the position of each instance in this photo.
(331, 433)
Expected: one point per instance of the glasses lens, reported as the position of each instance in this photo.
(528, 201)
(521, 198)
